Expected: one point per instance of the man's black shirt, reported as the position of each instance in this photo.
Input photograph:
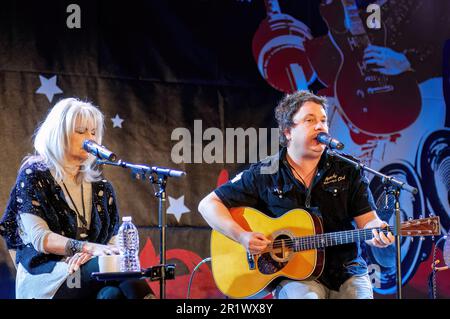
(337, 194)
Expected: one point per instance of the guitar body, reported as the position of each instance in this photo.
(296, 250)
(374, 103)
(239, 276)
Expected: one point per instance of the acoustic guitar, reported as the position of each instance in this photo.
(297, 249)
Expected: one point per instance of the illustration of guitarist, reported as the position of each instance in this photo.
(374, 73)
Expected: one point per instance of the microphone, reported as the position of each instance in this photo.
(326, 139)
(99, 150)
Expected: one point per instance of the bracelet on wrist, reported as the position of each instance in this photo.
(73, 246)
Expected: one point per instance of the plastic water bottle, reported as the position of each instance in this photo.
(128, 237)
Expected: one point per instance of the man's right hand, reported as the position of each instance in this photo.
(255, 243)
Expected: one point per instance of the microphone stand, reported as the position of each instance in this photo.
(156, 175)
(393, 187)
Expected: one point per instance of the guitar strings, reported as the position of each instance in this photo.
(323, 238)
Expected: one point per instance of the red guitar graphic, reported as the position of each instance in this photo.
(372, 102)
(279, 52)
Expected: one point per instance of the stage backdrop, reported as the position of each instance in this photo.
(164, 72)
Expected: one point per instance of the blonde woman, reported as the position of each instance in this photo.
(61, 213)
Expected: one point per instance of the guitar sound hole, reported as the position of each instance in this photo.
(282, 248)
(269, 263)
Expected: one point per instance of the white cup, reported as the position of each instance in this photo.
(109, 263)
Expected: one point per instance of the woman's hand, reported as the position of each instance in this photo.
(90, 250)
(77, 260)
(99, 250)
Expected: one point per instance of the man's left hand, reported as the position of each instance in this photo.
(380, 240)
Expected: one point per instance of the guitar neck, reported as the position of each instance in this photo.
(334, 239)
(352, 19)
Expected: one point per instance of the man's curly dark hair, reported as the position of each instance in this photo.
(289, 105)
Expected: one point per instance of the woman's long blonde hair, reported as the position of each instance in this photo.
(52, 137)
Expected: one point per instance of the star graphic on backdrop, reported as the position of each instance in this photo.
(48, 87)
(176, 207)
(117, 121)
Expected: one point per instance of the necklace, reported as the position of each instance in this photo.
(306, 177)
(81, 230)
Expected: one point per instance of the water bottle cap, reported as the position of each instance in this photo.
(126, 218)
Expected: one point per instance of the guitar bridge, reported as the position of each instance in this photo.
(251, 261)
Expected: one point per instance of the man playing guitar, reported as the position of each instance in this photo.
(306, 178)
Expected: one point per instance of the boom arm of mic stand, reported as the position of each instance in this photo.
(386, 179)
(143, 169)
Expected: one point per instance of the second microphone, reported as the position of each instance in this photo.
(98, 151)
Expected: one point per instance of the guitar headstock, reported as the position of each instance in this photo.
(421, 227)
